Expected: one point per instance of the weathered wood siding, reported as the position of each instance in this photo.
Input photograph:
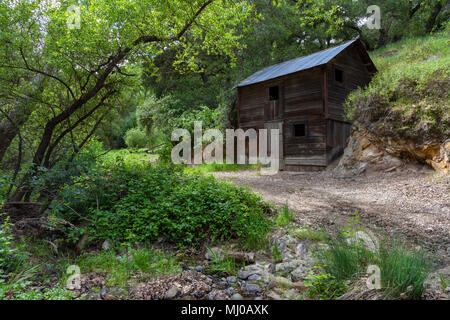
(355, 75)
(311, 97)
(304, 105)
(251, 104)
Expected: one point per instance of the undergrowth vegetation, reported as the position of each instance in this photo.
(409, 94)
(403, 268)
(128, 202)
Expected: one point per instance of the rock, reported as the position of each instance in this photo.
(287, 267)
(217, 295)
(252, 289)
(243, 275)
(106, 245)
(300, 286)
(229, 291)
(300, 273)
(199, 268)
(237, 296)
(231, 279)
(254, 278)
(366, 238)
(433, 285)
(275, 296)
(172, 293)
(280, 282)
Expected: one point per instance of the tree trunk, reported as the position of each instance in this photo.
(432, 20)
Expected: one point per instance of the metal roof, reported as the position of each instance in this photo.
(296, 65)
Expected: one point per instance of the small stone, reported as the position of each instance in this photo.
(199, 268)
(236, 296)
(299, 285)
(244, 274)
(171, 293)
(252, 289)
(106, 245)
(280, 282)
(254, 277)
(231, 279)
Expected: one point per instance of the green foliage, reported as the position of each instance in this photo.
(135, 201)
(216, 167)
(344, 259)
(284, 217)
(136, 138)
(306, 233)
(277, 257)
(409, 94)
(401, 267)
(120, 267)
(11, 257)
(324, 285)
(225, 264)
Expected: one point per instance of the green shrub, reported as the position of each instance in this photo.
(136, 138)
(324, 286)
(11, 258)
(131, 202)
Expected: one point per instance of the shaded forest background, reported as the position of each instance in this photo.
(126, 79)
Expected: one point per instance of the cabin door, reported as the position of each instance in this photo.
(275, 125)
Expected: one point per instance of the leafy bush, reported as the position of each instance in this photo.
(10, 257)
(136, 138)
(129, 202)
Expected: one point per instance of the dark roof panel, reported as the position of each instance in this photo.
(296, 65)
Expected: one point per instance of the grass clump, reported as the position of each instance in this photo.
(307, 233)
(223, 264)
(118, 267)
(216, 167)
(285, 216)
(403, 269)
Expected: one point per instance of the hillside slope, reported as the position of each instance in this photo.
(403, 116)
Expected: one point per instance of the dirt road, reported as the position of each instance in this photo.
(411, 204)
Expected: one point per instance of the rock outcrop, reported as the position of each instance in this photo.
(384, 153)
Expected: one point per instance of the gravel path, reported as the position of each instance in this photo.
(411, 204)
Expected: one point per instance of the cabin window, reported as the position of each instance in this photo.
(339, 75)
(300, 130)
(274, 93)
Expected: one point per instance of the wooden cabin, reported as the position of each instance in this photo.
(304, 98)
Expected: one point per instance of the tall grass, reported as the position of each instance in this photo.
(403, 268)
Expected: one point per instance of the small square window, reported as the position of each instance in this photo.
(273, 93)
(339, 75)
(300, 130)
